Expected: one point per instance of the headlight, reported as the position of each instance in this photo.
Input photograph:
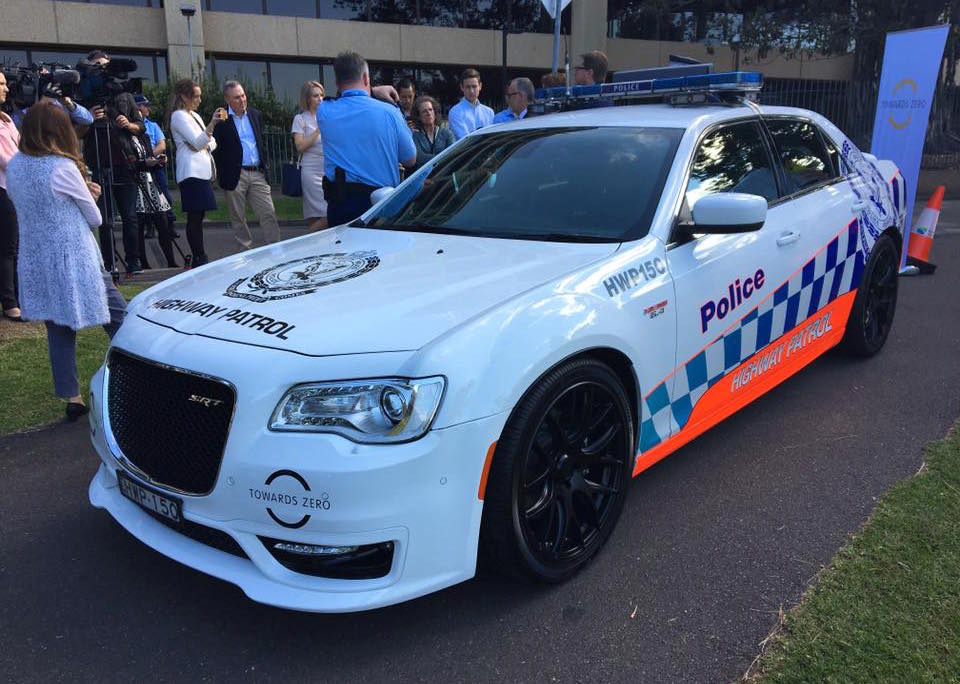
(370, 411)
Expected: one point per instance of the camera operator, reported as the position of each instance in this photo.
(52, 92)
(110, 152)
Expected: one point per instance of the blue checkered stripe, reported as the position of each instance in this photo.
(834, 271)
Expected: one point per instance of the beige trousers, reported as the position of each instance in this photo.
(252, 188)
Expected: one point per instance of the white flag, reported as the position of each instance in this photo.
(551, 6)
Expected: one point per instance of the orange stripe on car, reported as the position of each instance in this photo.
(792, 353)
(486, 471)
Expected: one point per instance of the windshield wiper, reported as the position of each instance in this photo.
(568, 237)
(425, 227)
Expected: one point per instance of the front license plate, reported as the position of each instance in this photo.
(148, 498)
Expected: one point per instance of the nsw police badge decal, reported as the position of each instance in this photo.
(303, 276)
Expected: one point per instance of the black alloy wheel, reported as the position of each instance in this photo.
(876, 302)
(561, 473)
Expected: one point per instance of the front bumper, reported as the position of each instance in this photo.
(421, 496)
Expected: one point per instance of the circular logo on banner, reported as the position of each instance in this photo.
(303, 276)
(900, 125)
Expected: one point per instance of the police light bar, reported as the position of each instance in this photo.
(723, 82)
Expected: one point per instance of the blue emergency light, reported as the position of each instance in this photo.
(737, 82)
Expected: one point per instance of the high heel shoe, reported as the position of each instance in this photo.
(75, 410)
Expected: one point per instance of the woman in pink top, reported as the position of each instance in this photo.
(9, 139)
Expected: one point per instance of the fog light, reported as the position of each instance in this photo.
(313, 549)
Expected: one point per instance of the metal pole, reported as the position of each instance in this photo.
(190, 42)
(556, 35)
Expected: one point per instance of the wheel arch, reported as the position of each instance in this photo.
(897, 236)
(622, 367)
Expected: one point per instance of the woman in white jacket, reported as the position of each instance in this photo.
(195, 168)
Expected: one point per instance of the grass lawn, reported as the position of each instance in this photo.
(288, 209)
(25, 370)
(888, 607)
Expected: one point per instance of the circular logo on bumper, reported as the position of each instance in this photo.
(303, 276)
(286, 490)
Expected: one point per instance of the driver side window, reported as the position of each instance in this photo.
(732, 159)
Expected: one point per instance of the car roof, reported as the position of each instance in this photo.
(652, 115)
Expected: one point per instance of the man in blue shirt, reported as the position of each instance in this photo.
(79, 115)
(468, 115)
(364, 141)
(520, 94)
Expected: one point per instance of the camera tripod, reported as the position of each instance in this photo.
(105, 176)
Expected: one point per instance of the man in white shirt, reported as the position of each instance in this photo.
(468, 115)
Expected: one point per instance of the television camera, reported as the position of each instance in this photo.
(27, 84)
(100, 84)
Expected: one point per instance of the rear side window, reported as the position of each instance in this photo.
(802, 153)
(732, 159)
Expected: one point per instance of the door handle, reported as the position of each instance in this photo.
(858, 206)
(787, 238)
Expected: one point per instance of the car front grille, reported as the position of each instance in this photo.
(169, 424)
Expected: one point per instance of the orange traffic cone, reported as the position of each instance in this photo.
(921, 235)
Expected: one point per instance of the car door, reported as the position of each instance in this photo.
(818, 209)
(722, 280)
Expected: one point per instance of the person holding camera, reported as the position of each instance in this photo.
(160, 222)
(110, 152)
(195, 167)
(53, 93)
(9, 141)
(62, 280)
(241, 165)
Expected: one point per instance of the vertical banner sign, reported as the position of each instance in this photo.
(911, 68)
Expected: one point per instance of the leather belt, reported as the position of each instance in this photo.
(250, 168)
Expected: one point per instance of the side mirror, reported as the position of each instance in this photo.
(728, 212)
(380, 194)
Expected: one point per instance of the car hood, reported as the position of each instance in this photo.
(357, 290)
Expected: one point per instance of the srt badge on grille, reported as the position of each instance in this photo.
(303, 276)
(206, 401)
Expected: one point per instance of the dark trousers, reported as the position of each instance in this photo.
(62, 343)
(345, 201)
(125, 198)
(9, 241)
(164, 228)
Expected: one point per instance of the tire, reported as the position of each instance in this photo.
(560, 474)
(876, 302)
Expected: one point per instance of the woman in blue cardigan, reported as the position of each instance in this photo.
(430, 137)
(62, 279)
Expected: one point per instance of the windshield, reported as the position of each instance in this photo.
(589, 184)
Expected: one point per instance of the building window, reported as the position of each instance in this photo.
(13, 56)
(150, 66)
(292, 8)
(245, 6)
(286, 79)
(251, 73)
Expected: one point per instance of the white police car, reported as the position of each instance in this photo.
(481, 363)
